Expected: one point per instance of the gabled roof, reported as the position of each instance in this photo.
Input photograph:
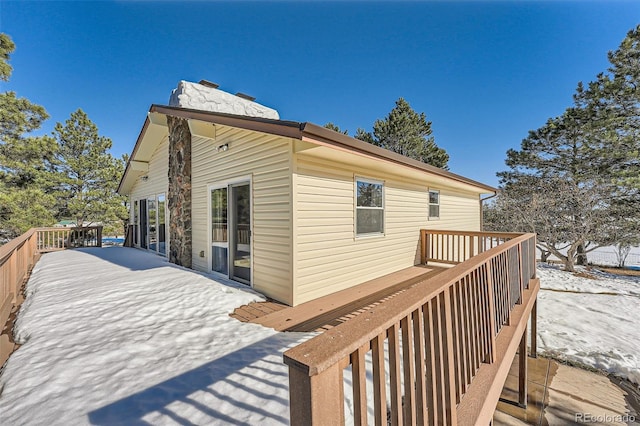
(308, 132)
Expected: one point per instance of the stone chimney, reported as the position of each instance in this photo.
(205, 96)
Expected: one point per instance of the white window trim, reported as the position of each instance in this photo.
(429, 204)
(357, 236)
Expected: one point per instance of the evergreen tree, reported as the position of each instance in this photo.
(613, 100)
(335, 128)
(576, 179)
(24, 208)
(363, 135)
(25, 199)
(87, 174)
(6, 49)
(408, 133)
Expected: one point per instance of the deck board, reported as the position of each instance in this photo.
(329, 311)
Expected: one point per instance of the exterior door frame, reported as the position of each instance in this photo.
(228, 184)
(144, 201)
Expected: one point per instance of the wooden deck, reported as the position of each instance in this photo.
(329, 311)
(440, 351)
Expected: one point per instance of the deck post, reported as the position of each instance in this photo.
(492, 353)
(13, 277)
(471, 247)
(449, 363)
(423, 246)
(315, 400)
(522, 370)
(520, 274)
(534, 330)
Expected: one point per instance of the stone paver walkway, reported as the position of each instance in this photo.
(562, 395)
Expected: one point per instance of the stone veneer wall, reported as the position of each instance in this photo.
(179, 198)
(197, 96)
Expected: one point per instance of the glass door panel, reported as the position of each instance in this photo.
(152, 219)
(241, 234)
(143, 223)
(162, 231)
(136, 223)
(219, 231)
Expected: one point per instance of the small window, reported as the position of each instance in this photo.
(434, 204)
(369, 207)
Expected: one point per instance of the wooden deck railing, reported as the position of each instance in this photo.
(54, 239)
(423, 348)
(454, 247)
(19, 254)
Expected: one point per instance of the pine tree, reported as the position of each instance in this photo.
(25, 199)
(6, 49)
(581, 170)
(335, 128)
(613, 100)
(87, 174)
(408, 133)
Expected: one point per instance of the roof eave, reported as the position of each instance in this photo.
(145, 126)
(301, 131)
(330, 137)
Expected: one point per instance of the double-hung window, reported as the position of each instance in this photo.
(369, 207)
(434, 204)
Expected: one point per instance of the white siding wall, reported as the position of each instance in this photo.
(158, 182)
(328, 257)
(267, 159)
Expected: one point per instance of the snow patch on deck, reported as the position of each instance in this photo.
(119, 336)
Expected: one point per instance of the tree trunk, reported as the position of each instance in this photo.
(544, 255)
(582, 255)
(569, 261)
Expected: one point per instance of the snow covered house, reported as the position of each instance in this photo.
(218, 183)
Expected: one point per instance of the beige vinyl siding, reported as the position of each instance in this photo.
(158, 181)
(458, 210)
(266, 160)
(329, 256)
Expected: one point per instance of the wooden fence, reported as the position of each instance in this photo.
(423, 348)
(19, 255)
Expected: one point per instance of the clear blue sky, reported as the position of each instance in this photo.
(483, 72)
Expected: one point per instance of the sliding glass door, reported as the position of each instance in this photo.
(143, 224)
(219, 231)
(152, 228)
(231, 231)
(240, 207)
(150, 224)
(162, 225)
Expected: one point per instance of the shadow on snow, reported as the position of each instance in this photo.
(200, 390)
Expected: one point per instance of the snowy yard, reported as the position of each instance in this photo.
(595, 322)
(119, 336)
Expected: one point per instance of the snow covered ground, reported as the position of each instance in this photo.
(593, 321)
(120, 336)
(606, 256)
